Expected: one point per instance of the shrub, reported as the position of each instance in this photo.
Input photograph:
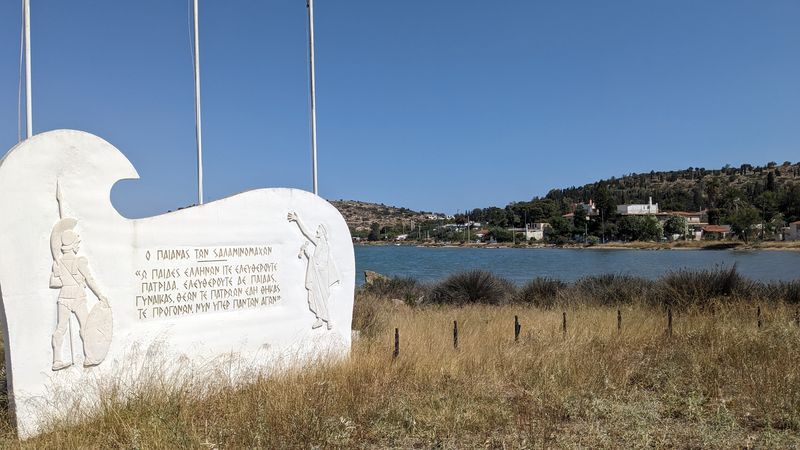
(788, 292)
(684, 288)
(477, 286)
(541, 291)
(612, 289)
(407, 289)
(678, 289)
(791, 292)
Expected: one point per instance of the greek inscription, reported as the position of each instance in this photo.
(196, 280)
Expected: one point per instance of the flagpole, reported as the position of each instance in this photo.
(198, 124)
(310, 6)
(26, 12)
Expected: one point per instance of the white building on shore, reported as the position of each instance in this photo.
(793, 232)
(533, 231)
(638, 209)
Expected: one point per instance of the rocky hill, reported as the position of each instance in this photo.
(360, 215)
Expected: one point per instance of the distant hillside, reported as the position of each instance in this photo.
(743, 197)
(693, 189)
(772, 190)
(361, 215)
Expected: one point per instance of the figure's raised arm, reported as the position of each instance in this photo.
(292, 217)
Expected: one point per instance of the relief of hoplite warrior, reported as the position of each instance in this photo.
(321, 272)
(71, 275)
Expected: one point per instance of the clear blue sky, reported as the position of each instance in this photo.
(434, 105)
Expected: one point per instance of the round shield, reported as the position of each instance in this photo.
(97, 334)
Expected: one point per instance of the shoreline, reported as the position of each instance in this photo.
(792, 246)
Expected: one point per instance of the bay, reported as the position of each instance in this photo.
(521, 265)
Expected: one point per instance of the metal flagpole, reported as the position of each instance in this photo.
(26, 12)
(198, 124)
(310, 6)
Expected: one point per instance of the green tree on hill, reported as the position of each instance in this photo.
(604, 200)
(790, 203)
(675, 225)
(714, 216)
(560, 230)
(500, 234)
(742, 221)
(639, 228)
(374, 232)
(768, 204)
(579, 221)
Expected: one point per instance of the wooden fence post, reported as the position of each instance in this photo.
(396, 352)
(619, 321)
(758, 317)
(517, 328)
(564, 322)
(669, 322)
(455, 334)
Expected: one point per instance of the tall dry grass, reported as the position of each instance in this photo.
(719, 381)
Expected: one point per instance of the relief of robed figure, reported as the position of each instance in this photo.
(321, 272)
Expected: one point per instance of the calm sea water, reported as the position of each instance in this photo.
(521, 265)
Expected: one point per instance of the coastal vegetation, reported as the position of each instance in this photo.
(595, 364)
(757, 202)
(679, 289)
(742, 196)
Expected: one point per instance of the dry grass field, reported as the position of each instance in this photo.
(719, 381)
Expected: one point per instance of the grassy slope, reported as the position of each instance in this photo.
(718, 382)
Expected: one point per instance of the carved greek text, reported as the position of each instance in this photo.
(196, 280)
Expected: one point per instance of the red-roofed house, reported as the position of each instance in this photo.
(720, 231)
(692, 217)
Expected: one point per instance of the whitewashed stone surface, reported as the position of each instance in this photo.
(265, 277)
